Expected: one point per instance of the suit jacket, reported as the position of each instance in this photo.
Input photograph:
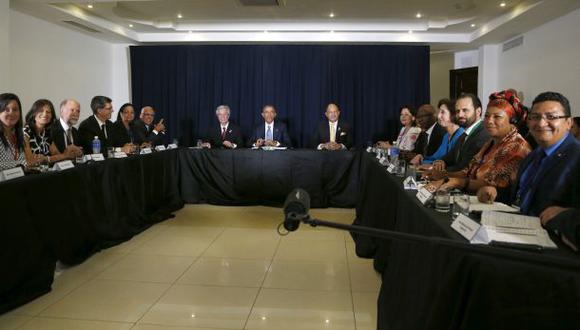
(57, 133)
(558, 178)
(461, 154)
(567, 224)
(233, 134)
(144, 133)
(429, 148)
(89, 128)
(280, 134)
(322, 134)
(120, 135)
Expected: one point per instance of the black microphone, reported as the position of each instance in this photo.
(296, 207)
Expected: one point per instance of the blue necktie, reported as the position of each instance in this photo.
(269, 133)
(527, 181)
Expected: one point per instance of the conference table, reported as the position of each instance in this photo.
(446, 283)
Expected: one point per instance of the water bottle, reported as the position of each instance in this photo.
(394, 155)
(96, 145)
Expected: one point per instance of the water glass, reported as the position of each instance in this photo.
(110, 152)
(402, 165)
(442, 200)
(461, 205)
(411, 172)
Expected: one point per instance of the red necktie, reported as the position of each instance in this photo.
(223, 133)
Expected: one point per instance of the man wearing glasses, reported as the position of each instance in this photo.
(549, 175)
(145, 132)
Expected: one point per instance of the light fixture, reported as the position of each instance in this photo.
(502, 4)
(190, 32)
(472, 24)
(331, 15)
(90, 6)
(410, 31)
(179, 16)
(263, 318)
(331, 31)
(130, 25)
(265, 31)
(418, 15)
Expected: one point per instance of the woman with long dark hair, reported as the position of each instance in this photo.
(11, 137)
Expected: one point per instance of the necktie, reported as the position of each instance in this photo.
(69, 138)
(527, 181)
(269, 133)
(223, 133)
(332, 132)
(104, 130)
(460, 143)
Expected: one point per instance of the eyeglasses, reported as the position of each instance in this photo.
(547, 116)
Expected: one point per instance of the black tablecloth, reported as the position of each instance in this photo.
(446, 283)
(69, 215)
(245, 177)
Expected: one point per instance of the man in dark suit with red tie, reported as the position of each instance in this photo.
(98, 124)
(226, 134)
(332, 134)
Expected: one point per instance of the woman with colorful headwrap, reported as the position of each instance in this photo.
(496, 164)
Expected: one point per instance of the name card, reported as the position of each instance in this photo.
(119, 154)
(11, 173)
(392, 168)
(97, 157)
(384, 161)
(378, 155)
(424, 195)
(160, 148)
(465, 226)
(145, 151)
(369, 149)
(63, 165)
(410, 184)
(172, 146)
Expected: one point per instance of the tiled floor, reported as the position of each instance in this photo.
(215, 268)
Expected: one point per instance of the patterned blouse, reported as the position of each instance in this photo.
(39, 144)
(9, 158)
(498, 164)
(407, 138)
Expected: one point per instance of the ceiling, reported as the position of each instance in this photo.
(444, 24)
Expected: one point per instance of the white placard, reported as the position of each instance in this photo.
(119, 154)
(465, 226)
(11, 173)
(369, 149)
(392, 168)
(424, 195)
(160, 148)
(63, 165)
(145, 151)
(97, 157)
(384, 161)
(410, 184)
(172, 146)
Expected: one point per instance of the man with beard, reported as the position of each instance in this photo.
(468, 115)
(63, 133)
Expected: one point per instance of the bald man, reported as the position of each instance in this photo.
(144, 131)
(333, 133)
(63, 133)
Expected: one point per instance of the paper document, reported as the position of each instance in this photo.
(477, 206)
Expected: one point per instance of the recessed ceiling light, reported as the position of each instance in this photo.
(418, 15)
(130, 25)
(331, 15)
(473, 25)
(410, 31)
(331, 31)
(179, 16)
(265, 31)
(90, 6)
(189, 31)
(502, 4)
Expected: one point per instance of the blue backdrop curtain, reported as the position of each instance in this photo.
(186, 83)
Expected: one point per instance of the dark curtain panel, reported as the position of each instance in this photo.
(369, 83)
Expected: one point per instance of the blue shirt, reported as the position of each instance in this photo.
(445, 146)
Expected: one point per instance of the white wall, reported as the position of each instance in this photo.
(4, 46)
(440, 64)
(549, 59)
(50, 61)
(466, 59)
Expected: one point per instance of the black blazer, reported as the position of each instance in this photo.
(559, 178)
(120, 135)
(280, 134)
(460, 156)
(427, 149)
(57, 133)
(322, 134)
(142, 134)
(233, 134)
(567, 224)
(89, 128)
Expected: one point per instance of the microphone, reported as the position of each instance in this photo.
(296, 208)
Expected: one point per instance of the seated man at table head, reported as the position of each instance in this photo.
(145, 131)
(226, 134)
(271, 133)
(468, 115)
(431, 134)
(64, 134)
(99, 125)
(496, 163)
(333, 133)
(548, 174)
(11, 136)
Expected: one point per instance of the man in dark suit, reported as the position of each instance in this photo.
(549, 175)
(270, 133)
(226, 134)
(431, 134)
(63, 133)
(332, 134)
(468, 116)
(144, 131)
(99, 124)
